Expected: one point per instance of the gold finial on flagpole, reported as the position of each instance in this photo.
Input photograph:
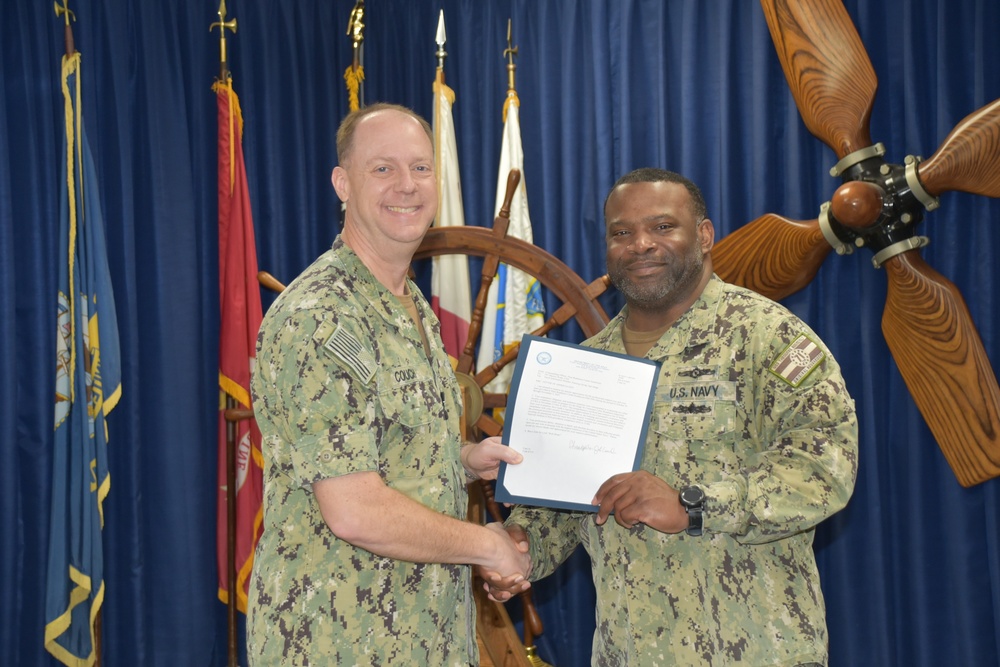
(355, 74)
(356, 24)
(222, 24)
(509, 54)
(64, 10)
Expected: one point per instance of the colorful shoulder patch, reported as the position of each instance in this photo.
(345, 346)
(798, 360)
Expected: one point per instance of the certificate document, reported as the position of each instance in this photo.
(578, 416)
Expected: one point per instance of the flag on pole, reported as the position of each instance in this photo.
(240, 317)
(514, 304)
(450, 294)
(88, 387)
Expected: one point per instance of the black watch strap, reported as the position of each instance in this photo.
(694, 521)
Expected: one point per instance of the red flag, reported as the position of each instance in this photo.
(239, 301)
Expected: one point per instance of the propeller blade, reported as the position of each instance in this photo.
(771, 255)
(827, 68)
(941, 357)
(969, 158)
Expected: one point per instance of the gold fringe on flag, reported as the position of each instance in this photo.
(441, 87)
(511, 99)
(354, 76)
(235, 114)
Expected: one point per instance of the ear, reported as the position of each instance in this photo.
(706, 235)
(341, 183)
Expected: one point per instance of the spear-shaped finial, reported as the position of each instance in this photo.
(222, 24)
(440, 39)
(509, 54)
(63, 10)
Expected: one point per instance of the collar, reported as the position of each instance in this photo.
(693, 328)
(366, 287)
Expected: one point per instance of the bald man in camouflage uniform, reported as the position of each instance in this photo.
(364, 555)
(751, 422)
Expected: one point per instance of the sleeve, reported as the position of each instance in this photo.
(805, 456)
(552, 536)
(326, 416)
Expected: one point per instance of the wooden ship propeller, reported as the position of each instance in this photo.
(926, 322)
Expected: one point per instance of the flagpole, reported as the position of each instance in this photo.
(222, 24)
(532, 626)
(67, 31)
(509, 53)
(232, 652)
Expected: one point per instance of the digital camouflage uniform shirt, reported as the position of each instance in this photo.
(342, 385)
(750, 406)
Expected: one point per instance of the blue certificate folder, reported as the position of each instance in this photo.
(579, 416)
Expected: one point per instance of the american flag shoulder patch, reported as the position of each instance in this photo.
(345, 346)
(798, 360)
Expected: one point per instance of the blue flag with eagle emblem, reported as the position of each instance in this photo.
(88, 386)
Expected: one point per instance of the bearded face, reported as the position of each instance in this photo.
(647, 281)
(656, 244)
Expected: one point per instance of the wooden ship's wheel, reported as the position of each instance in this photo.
(498, 640)
(499, 643)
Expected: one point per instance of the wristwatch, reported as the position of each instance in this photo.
(693, 500)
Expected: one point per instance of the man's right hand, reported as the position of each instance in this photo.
(503, 587)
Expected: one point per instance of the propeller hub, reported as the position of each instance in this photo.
(858, 204)
(876, 207)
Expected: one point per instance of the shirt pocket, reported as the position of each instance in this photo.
(409, 396)
(695, 420)
(417, 438)
(698, 438)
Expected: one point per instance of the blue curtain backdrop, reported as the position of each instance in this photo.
(911, 569)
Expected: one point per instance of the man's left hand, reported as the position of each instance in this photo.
(640, 497)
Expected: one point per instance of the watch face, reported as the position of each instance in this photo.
(692, 496)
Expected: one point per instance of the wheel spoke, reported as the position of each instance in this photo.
(466, 360)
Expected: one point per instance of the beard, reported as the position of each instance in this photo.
(682, 273)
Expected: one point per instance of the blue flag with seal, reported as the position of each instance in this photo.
(88, 386)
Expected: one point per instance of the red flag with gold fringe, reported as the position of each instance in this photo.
(240, 317)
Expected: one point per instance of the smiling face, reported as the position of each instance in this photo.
(657, 248)
(387, 182)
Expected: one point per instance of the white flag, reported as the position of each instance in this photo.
(514, 303)
(449, 273)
